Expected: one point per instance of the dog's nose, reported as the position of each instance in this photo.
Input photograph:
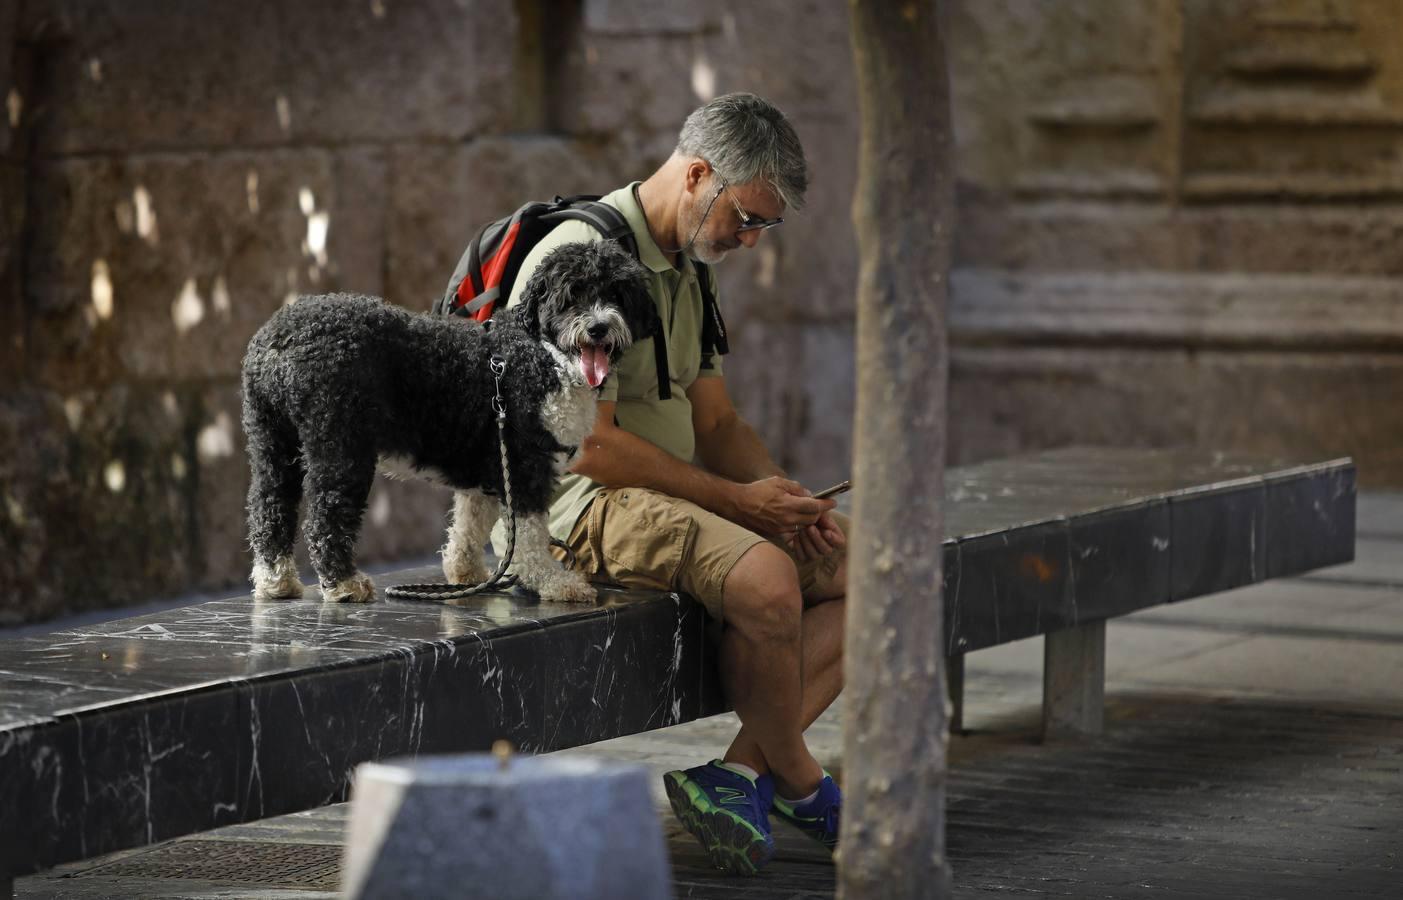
(598, 331)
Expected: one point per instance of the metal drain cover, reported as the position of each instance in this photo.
(241, 862)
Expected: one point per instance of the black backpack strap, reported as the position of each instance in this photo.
(602, 217)
(713, 335)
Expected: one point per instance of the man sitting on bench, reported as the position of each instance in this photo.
(762, 555)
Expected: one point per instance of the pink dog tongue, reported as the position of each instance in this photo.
(594, 362)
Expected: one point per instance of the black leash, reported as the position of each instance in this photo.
(500, 580)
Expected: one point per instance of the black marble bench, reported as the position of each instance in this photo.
(143, 729)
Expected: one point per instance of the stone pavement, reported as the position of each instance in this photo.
(1254, 748)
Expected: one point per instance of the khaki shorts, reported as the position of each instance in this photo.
(637, 538)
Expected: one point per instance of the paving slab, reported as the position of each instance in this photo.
(1380, 514)
(1377, 560)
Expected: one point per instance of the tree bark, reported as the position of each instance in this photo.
(893, 838)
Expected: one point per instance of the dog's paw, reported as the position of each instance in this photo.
(570, 587)
(276, 582)
(464, 570)
(356, 589)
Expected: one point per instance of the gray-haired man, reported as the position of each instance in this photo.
(764, 557)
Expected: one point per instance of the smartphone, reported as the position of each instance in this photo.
(838, 488)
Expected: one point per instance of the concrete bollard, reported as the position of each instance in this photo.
(528, 827)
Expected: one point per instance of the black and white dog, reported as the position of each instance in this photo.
(336, 385)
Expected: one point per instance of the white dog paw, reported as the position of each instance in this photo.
(276, 582)
(464, 570)
(570, 587)
(356, 589)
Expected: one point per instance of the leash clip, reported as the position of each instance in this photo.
(499, 368)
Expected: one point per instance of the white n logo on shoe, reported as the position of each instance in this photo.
(732, 796)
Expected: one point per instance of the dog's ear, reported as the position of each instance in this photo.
(570, 269)
(543, 295)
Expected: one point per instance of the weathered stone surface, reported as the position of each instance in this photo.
(1241, 309)
(647, 17)
(92, 512)
(198, 251)
(1005, 401)
(12, 318)
(10, 79)
(265, 73)
(441, 196)
(440, 70)
(1344, 240)
(1065, 98)
(794, 384)
(806, 269)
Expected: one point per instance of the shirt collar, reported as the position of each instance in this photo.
(649, 253)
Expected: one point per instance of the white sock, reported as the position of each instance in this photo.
(741, 769)
(809, 799)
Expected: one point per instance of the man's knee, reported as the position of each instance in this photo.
(762, 597)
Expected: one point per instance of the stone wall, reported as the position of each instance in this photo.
(1179, 225)
(171, 173)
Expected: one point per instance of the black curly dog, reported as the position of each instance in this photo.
(336, 385)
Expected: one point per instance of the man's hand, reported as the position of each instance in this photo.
(818, 540)
(777, 507)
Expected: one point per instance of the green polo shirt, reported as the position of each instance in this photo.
(633, 381)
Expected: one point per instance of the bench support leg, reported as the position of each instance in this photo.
(1074, 682)
(955, 682)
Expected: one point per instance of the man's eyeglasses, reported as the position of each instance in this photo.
(748, 222)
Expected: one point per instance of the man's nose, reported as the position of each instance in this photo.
(598, 331)
(750, 238)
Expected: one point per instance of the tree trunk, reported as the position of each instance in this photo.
(893, 839)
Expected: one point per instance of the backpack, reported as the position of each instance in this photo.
(489, 267)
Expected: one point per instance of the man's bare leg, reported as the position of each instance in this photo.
(821, 667)
(764, 651)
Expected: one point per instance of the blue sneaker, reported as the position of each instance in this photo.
(727, 812)
(819, 817)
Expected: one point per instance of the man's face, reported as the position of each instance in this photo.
(721, 211)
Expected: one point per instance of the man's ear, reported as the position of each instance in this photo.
(697, 170)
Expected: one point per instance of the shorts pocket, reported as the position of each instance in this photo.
(644, 538)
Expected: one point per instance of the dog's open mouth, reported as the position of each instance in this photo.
(594, 363)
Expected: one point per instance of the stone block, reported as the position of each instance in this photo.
(795, 385)
(806, 269)
(1347, 240)
(439, 70)
(1007, 400)
(12, 319)
(112, 89)
(91, 501)
(163, 267)
(265, 73)
(441, 196)
(427, 827)
(15, 83)
(646, 17)
(1064, 98)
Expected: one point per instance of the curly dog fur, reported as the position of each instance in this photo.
(336, 385)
